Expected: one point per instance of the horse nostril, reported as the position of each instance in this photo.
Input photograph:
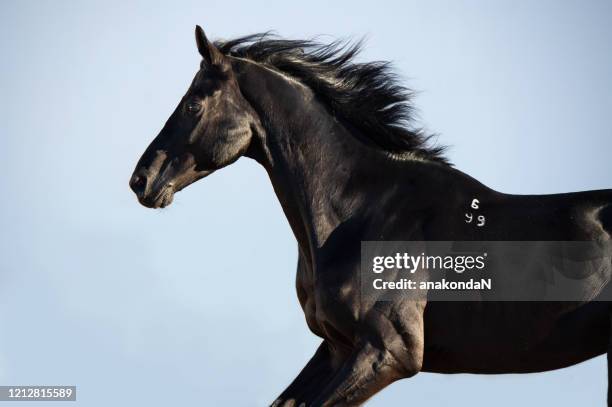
(138, 184)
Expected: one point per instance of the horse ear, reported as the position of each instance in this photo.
(210, 53)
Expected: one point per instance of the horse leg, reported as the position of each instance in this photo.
(316, 372)
(392, 350)
(366, 372)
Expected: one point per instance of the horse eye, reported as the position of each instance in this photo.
(193, 107)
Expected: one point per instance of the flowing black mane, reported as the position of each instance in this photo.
(367, 95)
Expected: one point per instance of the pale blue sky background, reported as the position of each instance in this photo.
(195, 304)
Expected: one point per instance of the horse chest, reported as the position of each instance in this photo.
(329, 301)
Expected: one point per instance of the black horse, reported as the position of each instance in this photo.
(336, 141)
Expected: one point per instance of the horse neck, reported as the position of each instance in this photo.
(315, 165)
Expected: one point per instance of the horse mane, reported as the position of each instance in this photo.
(367, 95)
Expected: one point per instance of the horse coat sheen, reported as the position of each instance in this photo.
(333, 139)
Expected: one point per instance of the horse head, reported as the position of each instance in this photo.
(211, 127)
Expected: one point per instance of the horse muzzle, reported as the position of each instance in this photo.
(149, 194)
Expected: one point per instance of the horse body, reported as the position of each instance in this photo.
(337, 188)
(551, 335)
(475, 337)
